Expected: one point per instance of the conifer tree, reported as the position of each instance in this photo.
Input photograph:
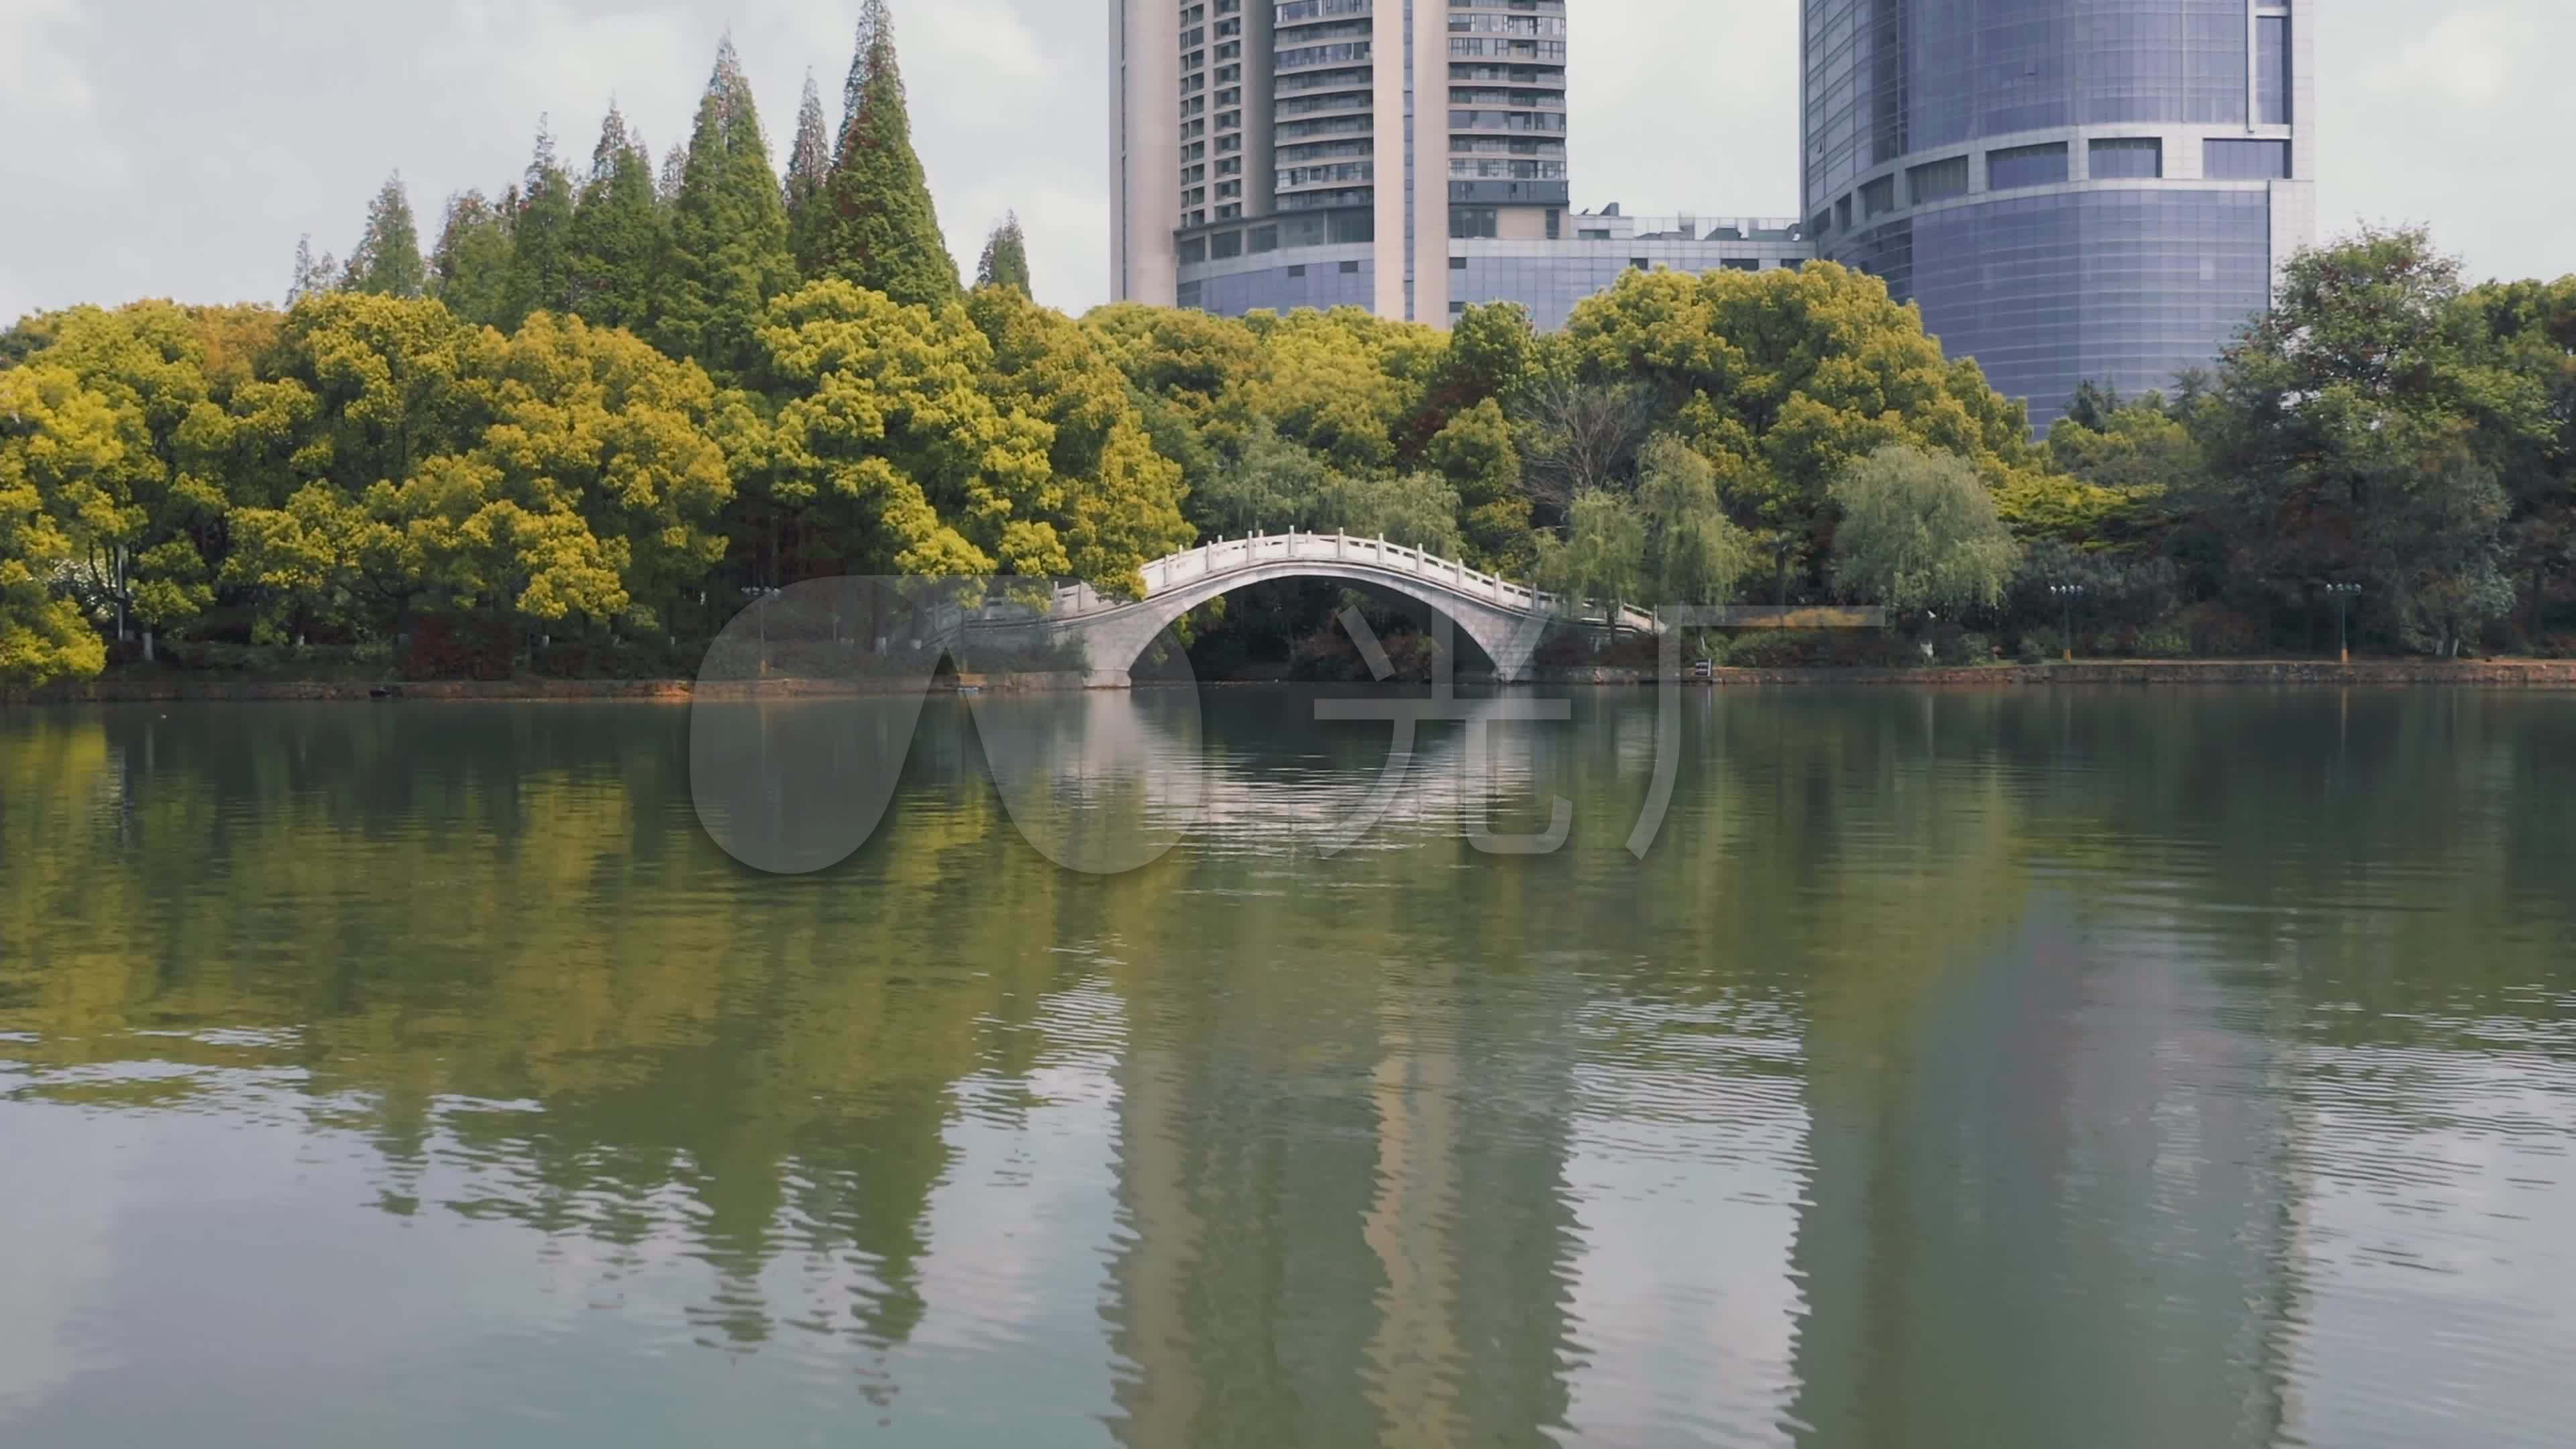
(881, 230)
(387, 262)
(675, 169)
(855, 85)
(470, 270)
(541, 237)
(728, 253)
(617, 232)
(313, 275)
(809, 167)
(1006, 257)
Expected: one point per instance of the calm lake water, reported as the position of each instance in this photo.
(2018, 1068)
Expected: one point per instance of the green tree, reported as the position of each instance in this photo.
(541, 238)
(1271, 485)
(888, 448)
(1417, 509)
(313, 275)
(809, 170)
(1920, 530)
(470, 269)
(1601, 557)
(57, 441)
(1005, 262)
(591, 424)
(1115, 501)
(1784, 378)
(2529, 328)
(2360, 431)
(616, 241)
(2126, 467)
(387, 262)
(143, 529)
(880, 230)
(1475, 452)
(1694, 553)
(728, 256)
(296, 561)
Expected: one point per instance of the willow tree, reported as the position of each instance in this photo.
(1920, 531)
(880, 230)
(728, 254)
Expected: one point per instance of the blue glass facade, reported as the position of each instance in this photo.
(2048, 234)
(2129, 287)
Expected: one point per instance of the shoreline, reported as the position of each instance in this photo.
(2301, 673)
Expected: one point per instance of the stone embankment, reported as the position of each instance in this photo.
(2480, 673)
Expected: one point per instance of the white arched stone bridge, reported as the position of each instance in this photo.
(1504, 618)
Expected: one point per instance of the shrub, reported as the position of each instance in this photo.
(2162, 641)
(1967, 648)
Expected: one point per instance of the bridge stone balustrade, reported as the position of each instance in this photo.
(1504, 618)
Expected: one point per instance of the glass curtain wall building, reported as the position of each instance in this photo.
(2071, 190)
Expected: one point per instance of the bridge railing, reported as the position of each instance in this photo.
(1229, 555)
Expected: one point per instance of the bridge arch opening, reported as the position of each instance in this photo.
(1304, 629)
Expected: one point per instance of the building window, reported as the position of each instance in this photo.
(1265, 239)
(1938, 180)
(1457, 309)
(1474, 221)
(1296, 271)
(1878, 198)
(2272, 70)
(2026, 166)
(1457, 264)
(2233, 160)
(1350, 269)
(2128, 158)
(1641, 264)
(1555, 224)
(1225, 244)
(1194, 249)
(1741, 264)
(1187, 294)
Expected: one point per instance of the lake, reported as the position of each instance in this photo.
(2011, 1068)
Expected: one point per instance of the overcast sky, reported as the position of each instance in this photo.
(179, 147)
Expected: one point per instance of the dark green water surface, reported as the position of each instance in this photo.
(2036, 1068)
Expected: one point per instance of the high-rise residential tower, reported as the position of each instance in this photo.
(2072, 190)
(1407, 156)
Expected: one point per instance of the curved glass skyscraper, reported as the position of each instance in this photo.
(2072, 190)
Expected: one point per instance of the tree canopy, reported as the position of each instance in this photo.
(879, 229)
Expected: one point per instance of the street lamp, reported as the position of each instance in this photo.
(2344, 594)
(2066, 595)
(760, 598)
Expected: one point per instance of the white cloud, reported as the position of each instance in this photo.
(2465, 57)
